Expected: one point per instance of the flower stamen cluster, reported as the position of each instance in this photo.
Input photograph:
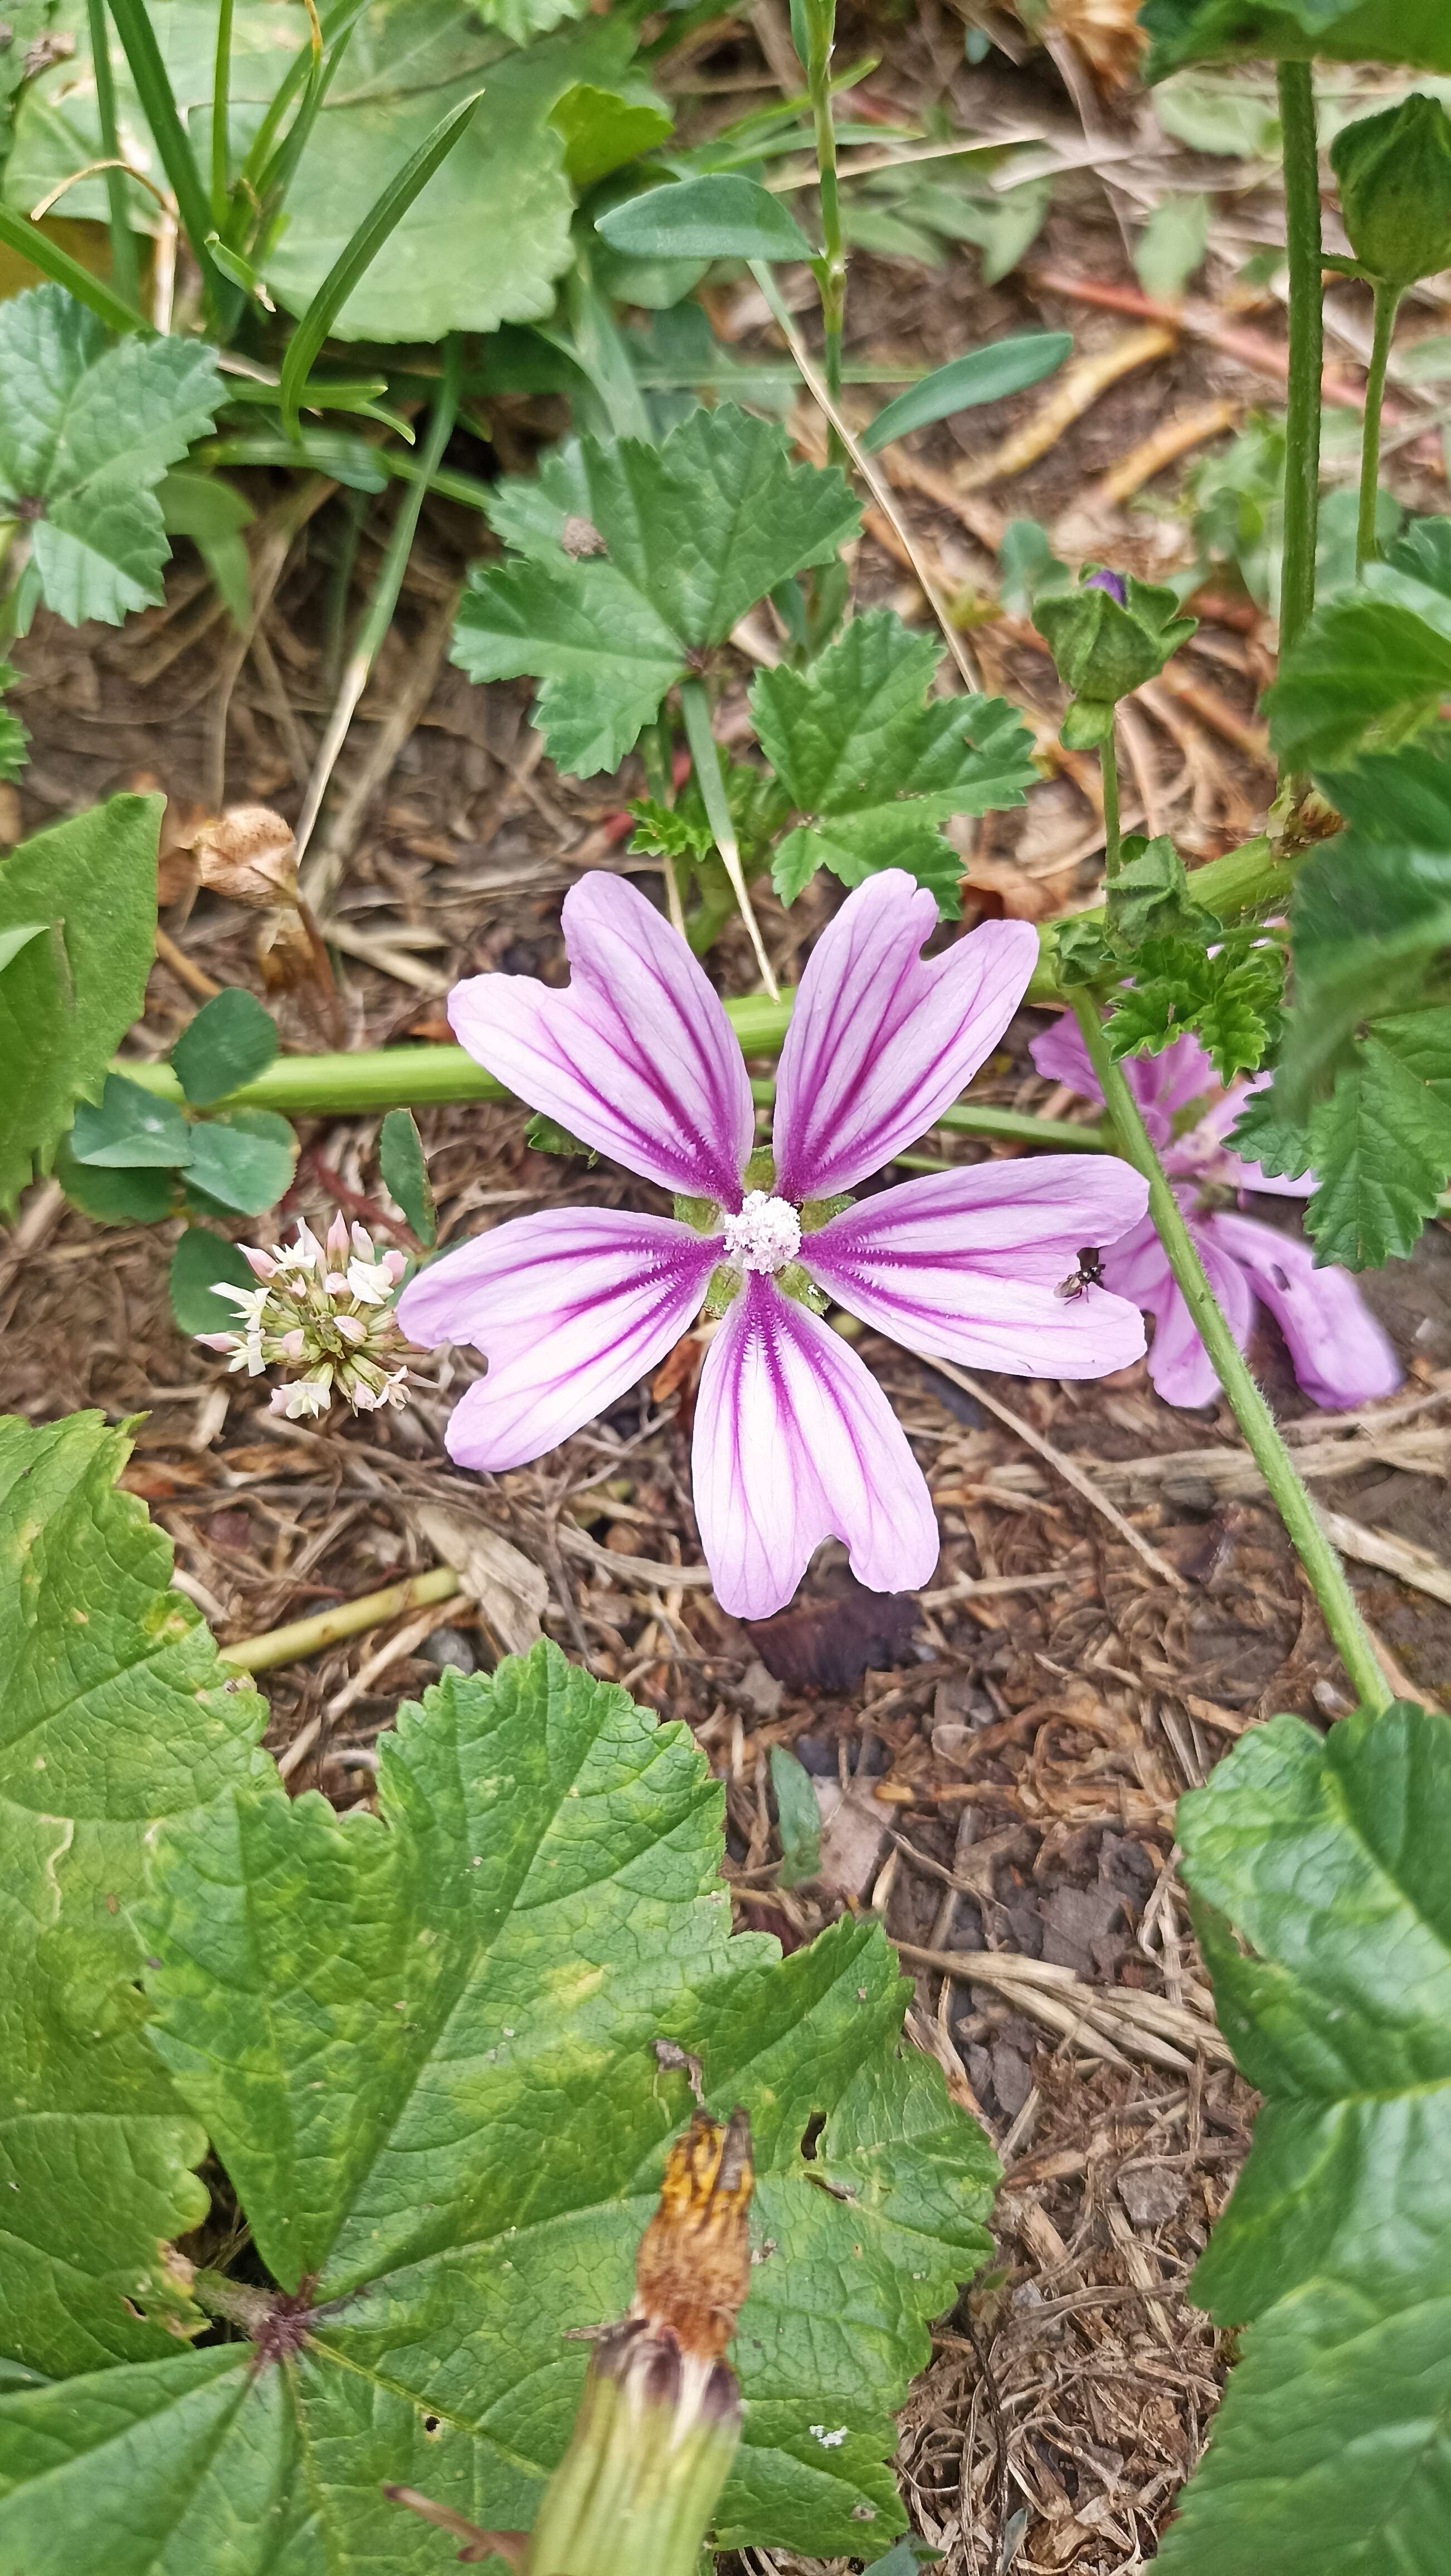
(323, 1313)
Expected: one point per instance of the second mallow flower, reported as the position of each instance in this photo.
(794, 1440)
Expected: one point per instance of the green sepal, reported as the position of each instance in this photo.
(815, 1213)
(1149, 898)
(1083, 952)
(547, 1138)
(796, 1282)
(1105, 651)
(722, 1289)
(760, 1171)
(702, 1216)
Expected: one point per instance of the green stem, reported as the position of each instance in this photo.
(1387, 302)
(1302, 411)
(125, 267)
(820, 18)
(1112, 839)
(221, 87)
(349, 1619)
(1321, 1564)
(710, 779)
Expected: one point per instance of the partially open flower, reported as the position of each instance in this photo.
(323, 1314)
(1107, 637)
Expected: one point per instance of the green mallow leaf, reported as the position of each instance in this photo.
(242, 1163)
(1262, 1134)
(115, 1714)
(720, 216)
(1367, 668)
(1381, 1143)
(424, 2045)
(798, 1816)
(405, 1172)
(67, 999)
(983, 375)
(1342, 31)
(1370, 918)
(87, 430)
(231, 1040)
(130, 1129)
(200, 1263)
(874, 766)
(1149, 897)
(635, 560)
(1230, 1000)
(1318, 1868)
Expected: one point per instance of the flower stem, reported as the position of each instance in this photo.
(1112, 840)
(1302, 412)
(820, 17)
(1387, 302)
(1322, 1565)
(301, 1637)
(695, 708)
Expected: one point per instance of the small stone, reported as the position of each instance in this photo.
(1152, 2195)
(449, 1648)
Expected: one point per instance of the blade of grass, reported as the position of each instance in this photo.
(221, 87)
(315, 886)
(383, 218)
(125, 267)
(695, 708)
(158, 104)
(17, 233)
(280, 169)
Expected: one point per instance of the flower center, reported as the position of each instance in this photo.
(765, 1236)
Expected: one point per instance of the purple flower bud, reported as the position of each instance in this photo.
(1112, 582)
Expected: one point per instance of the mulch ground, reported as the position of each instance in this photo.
(999, 1758)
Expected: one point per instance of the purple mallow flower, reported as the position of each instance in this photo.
(794, 1440)
(1340, 1355)
(1112, 582)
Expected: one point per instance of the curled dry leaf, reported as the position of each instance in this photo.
(511, 1593)
(1107, 35)
(248, 854)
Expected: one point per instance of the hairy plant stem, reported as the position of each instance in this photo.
(1322, 1566)
(1112, 836)
(125, 267)
(1387, 304)
(1302, 409)
(820, 17)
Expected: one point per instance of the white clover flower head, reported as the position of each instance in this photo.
(322, 1314)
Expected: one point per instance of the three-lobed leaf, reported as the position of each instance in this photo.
(633, 559)
(115, 1714)
(68, 997)
(87, 430)
(874, 766)
(1317, 1864)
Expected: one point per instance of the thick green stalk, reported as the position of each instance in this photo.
(262, 1654)
(1296, 1510)
(125, 267)
(820, 18)
(1112, 837)
(1302, 410)
(1387, 302)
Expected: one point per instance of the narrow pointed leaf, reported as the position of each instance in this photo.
(984, 375)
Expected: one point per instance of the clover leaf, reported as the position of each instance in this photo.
(1317, 1865)
(634, 560)
(115, 1714)
(423, 2045)
(85, 894)
(87, 431)
(874, 765)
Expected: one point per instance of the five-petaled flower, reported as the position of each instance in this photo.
(1340, 1355)
(794, 1440)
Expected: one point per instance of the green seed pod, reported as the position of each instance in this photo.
(1394, 172)
(1110, 634)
